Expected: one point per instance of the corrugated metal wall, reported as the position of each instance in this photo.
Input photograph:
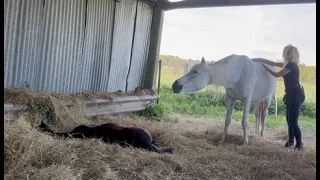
(140, 46)
(22, 41)
(122, 45)
(97, 46)
(76, 45)
(61, 46)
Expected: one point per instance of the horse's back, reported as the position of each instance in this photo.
(241, 75)
(265, 84)
(246, 76)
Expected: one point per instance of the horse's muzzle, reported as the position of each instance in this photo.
(176, 87)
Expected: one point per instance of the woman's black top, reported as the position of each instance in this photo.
(291, 80)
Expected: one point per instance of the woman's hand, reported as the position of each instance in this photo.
(264, 66)
(268, 62)
(281, 73)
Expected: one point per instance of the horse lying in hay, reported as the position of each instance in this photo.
(113, 133)
(242, 78)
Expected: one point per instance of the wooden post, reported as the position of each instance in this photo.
(186, 67)
(276, 105)
(154, 46)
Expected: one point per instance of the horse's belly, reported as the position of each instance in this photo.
(240, 78)
(264, 87)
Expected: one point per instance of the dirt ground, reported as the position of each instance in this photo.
(31, 154)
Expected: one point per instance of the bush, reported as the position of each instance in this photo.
(152, 111)
(205, 102)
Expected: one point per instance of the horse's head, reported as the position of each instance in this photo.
(196, 79)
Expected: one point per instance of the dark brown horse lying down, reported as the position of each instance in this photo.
(112, 133)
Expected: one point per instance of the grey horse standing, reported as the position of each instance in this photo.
(242, 78)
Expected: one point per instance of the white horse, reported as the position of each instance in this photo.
(242, 78)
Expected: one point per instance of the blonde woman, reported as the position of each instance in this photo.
(294, 93)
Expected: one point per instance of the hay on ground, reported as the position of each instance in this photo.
(31, 154)
(36, 155)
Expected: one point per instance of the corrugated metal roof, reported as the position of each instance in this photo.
(140, 46)
(121, 44)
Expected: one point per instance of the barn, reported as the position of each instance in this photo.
(76, 46)
(70, 46)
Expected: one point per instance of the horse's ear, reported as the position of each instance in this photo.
(203, 60)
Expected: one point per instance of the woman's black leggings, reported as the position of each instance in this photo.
(293, 102)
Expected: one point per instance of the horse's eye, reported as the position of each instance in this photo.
(195, 71)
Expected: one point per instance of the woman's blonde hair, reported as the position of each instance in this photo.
(290, 54)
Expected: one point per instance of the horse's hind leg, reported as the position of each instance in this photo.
(246, 108)
(154, 148)
(266, 104)
(256, 113)
(230, 105)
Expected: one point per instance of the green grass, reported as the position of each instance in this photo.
(206, 104)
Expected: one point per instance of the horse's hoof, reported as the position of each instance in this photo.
(169, 150)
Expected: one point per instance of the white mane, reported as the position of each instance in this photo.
(219, 68)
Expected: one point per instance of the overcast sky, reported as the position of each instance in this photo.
(256, 31)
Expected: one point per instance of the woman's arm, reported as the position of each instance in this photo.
(266, 61)
(281, 73)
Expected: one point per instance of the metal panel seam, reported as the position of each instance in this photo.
(111, 46)
(133, 37)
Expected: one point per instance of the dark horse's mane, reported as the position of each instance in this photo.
(112, 133)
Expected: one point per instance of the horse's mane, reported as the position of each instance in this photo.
(220, 67)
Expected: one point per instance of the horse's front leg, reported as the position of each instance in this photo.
(230, 105)
(246, 108)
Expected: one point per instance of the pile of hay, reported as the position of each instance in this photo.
(31, 154)
(19, 95)
(57, 108)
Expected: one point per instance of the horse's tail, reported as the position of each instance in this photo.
(43, 127)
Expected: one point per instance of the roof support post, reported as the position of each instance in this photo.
(154, 45)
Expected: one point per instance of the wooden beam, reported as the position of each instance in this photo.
(150, 2)
(95, 107)
(154, 45)
(13, 111)
(119, 105)
(220, 3)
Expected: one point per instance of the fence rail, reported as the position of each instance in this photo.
(96, 107)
